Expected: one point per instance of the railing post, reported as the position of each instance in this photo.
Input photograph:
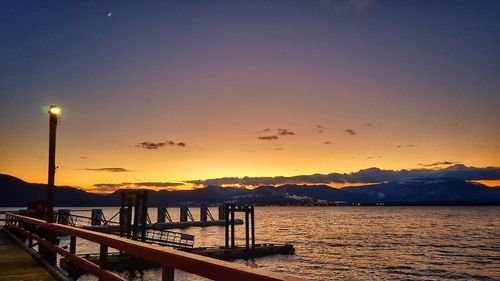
(72, 244)
(103, 256)
(247, 229)
(167, 274)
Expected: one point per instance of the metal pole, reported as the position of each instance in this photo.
(52, 167)
(232, 225)
(253, 225)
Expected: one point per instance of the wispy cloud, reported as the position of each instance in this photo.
(327, 142)
(111, 170)
(273, 137)
(156, 145)
(408, 146)
(264, 131)
(285, 132)
(442, 163)
(350, 132)
(357, 7)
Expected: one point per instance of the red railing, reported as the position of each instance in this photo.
(168, 259)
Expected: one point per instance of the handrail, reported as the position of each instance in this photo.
(165, 257)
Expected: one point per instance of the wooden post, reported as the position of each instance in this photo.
(72, 244)
(203, 213)
(253, 225)
(226, 219)
(222, 212)
(129, 218)
(167, 274)
(247, 234)
(232, 225)
(123, 221)
(160, 214)
(144, 214)
(135, 227)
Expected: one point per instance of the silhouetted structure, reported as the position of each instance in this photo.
(229, 212)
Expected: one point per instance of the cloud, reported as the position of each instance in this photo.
(278, 148)
(272, 137)
(285, 132)
(371, 175)
(155, 145)
(111, 170)
(368, 124)
(412, 145)
(327, 4)
(153, 184)
(350, 131)
(279, 132)
(327, 142)
(438, 164)
(83, 157)
(357, 7)
(112, 187)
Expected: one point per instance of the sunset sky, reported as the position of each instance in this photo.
(170, 91)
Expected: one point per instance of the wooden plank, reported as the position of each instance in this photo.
(17, 264)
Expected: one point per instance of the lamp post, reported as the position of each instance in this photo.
(54, 112)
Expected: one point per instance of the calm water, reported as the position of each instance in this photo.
(360, 243)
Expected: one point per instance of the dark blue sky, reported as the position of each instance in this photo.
(211, 73)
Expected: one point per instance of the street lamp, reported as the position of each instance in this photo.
(54, 112)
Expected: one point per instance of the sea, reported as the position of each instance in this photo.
(359, 243)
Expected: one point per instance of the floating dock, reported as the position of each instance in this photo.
(241, 252)
(124, 262)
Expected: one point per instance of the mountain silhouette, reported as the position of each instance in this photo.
(433, 191)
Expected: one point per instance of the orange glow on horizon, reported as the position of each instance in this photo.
(489, 183)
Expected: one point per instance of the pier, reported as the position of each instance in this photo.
(138, 243)
(35, 231)
(17, 264)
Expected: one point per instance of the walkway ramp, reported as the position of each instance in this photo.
(16, 264)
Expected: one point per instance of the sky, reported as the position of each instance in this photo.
(163, 92)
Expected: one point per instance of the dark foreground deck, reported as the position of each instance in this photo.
(17, 264)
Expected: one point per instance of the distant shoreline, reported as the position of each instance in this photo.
(456, 204)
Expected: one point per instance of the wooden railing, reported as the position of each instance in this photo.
(167, 259)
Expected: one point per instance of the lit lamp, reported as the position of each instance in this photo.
(54, 112)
